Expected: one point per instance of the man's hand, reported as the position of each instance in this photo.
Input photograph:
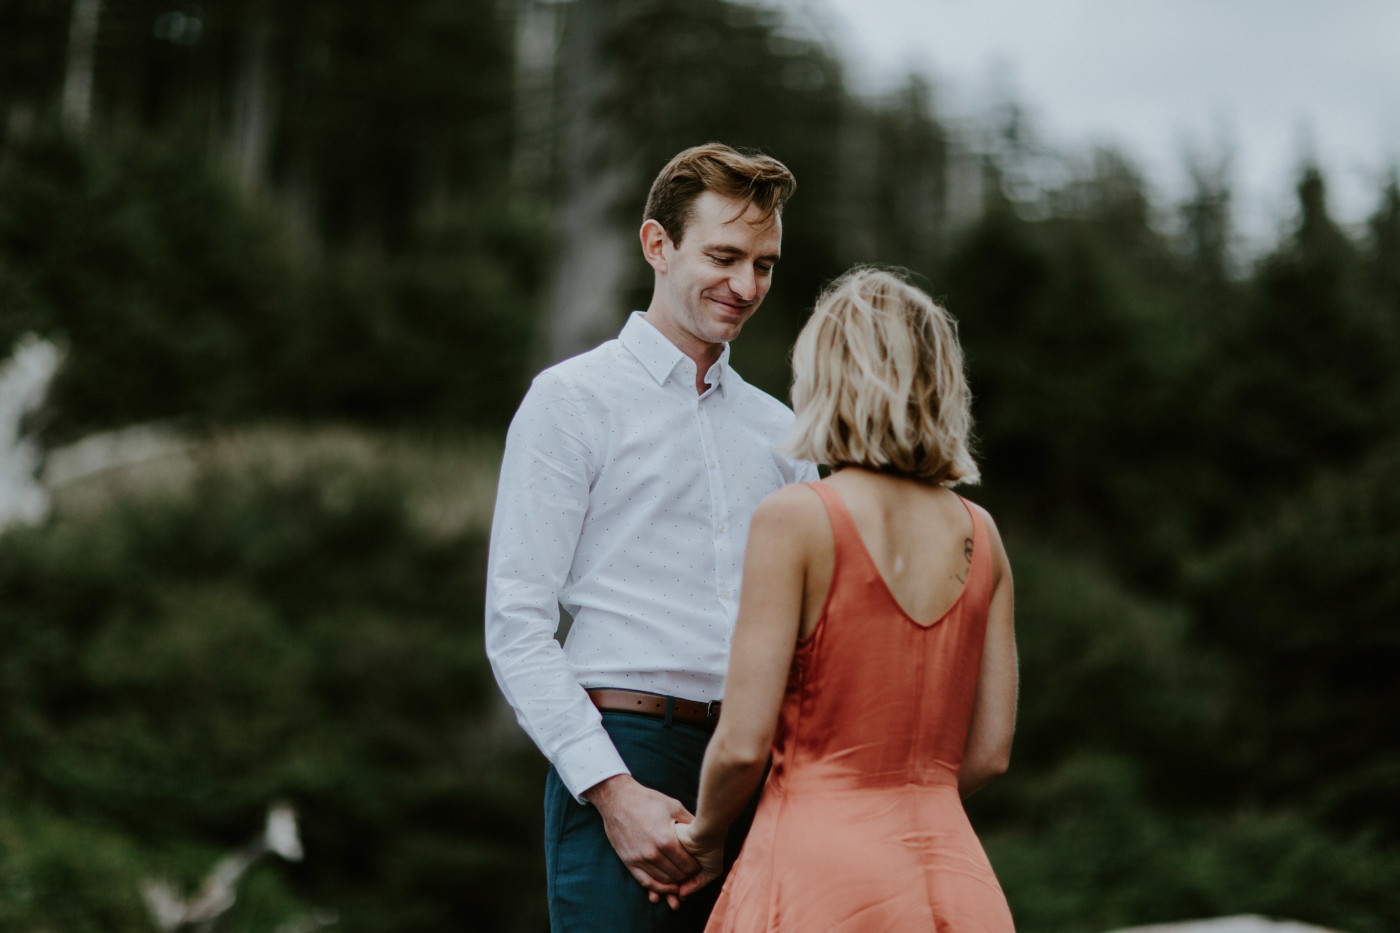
(638, 821)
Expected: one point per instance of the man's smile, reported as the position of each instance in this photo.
(731, 306)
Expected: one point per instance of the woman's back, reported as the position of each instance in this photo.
(861, 824)
(918, 536)
(883, 682)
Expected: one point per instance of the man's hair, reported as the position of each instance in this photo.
(750, 177)
(878, 382)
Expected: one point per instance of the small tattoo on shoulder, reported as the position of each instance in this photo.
(967, 556)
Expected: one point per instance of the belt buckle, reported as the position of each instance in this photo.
(711, 711)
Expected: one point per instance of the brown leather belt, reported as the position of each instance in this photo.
(691, 712)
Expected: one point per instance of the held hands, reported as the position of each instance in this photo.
(638, 823)
(711, 860)
(651, 834)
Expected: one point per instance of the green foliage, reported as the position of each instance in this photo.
(439, 337)
(178, 299)
(1088, 643)
(1150, 783)
(166, 289)
(897, 176)
(172, 668)
(1072, 330)
(358, 115)
(391, 104)
(1321, 384)
(1090, 852)
(58, 875)
(1383, 252)
(1305, 602)
(29, 71)
(1220, 720)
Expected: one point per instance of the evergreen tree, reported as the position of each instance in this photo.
(1307, 372)
(1383, 247)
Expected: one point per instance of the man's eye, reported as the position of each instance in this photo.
(723, 260)
(764, 269)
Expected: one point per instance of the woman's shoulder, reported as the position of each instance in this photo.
(987, 521)
(795, 501)
(791, 520)
(981, 511)
(999, 558)
(793, 512)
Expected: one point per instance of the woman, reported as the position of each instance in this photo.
(874, 653)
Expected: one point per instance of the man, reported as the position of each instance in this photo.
(629, 477)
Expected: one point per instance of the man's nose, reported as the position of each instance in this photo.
(743, 283)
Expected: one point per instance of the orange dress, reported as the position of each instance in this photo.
(860, 826)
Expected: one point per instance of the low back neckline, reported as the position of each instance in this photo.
(831, 495)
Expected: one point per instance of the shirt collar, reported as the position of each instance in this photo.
(660, 356)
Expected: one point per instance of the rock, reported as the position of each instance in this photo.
(1245, 923)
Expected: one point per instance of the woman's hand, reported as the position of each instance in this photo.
(711, 860)
(710, 857)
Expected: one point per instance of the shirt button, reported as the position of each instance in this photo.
(720, 528)
(725, 594)
(714, 465)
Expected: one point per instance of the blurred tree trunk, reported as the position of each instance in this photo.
(536, 56)
(896, 171)
(252, 101)
(588, 275)
(82, 48)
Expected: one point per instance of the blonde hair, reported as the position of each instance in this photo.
(878, 382)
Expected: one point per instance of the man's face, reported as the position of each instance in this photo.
(712, 283)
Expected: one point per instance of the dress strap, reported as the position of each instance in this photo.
(981, 546)
(843, 526)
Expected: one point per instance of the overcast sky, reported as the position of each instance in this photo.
(1271, 80)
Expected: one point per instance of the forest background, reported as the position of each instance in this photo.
(320, 249)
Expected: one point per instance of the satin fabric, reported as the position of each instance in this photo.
(860, 826)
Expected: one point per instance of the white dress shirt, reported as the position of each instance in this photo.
(625, 496)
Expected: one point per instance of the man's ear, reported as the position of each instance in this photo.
(655, 239)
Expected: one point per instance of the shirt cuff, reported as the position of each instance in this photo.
(588, 761)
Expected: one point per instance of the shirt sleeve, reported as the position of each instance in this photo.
(541, 501)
